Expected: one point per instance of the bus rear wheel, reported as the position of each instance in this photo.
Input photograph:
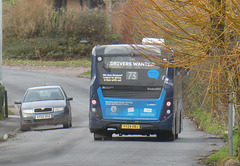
(166, 136)
(176, 136)
(102, 136)
(171, 137)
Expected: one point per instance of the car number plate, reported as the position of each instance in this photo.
(43, 117)
(131, 126)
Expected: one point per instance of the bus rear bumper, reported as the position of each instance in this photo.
(139, 127)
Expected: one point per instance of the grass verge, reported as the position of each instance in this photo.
(76, 63)
(205, 121)
(2, 116)
(87, 74)
(222, 153)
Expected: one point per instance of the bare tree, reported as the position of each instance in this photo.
(205, 37)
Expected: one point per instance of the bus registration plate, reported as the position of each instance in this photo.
(131, 126)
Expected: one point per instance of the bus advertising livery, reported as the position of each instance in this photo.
(130, 94)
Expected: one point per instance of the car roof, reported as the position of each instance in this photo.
(44, 87)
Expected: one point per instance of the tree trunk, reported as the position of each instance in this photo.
(60, 4)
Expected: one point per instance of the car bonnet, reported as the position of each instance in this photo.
(45, 103)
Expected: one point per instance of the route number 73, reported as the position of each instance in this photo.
(132, 75)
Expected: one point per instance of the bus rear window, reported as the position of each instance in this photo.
(129, 70)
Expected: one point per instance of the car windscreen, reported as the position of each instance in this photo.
(128, 70)
(43, 94)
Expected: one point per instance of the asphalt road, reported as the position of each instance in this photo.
(55, 146)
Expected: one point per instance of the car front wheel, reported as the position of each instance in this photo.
(68, 123)
(25, 127)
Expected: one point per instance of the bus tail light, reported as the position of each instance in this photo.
(94, 102)
(169, 103)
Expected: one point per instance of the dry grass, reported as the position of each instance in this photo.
(25, 17)
(29, 18)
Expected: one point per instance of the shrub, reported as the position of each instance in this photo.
(46, 34)
(45, 48)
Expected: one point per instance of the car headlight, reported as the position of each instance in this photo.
(28, 111)
(56, 109)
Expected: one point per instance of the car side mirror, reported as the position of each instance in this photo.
(69, 99)
(17, 102)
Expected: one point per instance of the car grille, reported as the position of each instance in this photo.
(48, 109)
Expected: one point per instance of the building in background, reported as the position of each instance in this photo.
(91, 3)
(115, 10)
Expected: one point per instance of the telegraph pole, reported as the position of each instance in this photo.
(230, 126)
(1, 40)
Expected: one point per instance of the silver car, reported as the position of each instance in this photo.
(45, 105)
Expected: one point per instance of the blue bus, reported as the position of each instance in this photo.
(131, 95)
